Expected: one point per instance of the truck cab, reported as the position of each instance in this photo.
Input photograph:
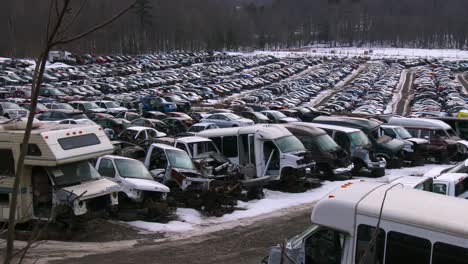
(57, 174)
(262, 150)
(384, 147)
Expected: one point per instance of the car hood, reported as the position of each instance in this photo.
(146, 185)
(91, 189)
(97, 110)
(289, 120)
(118, 109)
(419, 141)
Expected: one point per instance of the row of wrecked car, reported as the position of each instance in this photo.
(437, 93)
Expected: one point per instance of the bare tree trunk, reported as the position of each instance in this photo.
(51, 41)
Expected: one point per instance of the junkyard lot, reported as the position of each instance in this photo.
(247, 243)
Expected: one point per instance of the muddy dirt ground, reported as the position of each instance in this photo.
(242, 244)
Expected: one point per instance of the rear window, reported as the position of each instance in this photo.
(461, 187)
(79, 141)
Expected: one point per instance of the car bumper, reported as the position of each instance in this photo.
(343, 170)
(372, 165)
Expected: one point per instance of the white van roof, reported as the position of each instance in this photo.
(418, 122)
(407, 206)
(333, 127)
(268, 132)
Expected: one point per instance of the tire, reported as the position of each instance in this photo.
(378, 172)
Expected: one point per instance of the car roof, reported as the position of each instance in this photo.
(418, 122)
(336, 128)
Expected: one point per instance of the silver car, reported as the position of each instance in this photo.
(227, 120)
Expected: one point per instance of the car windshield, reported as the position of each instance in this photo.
(196, 129)
(55, 92)
(326, 143)
(179, 159)
(112, 105)
(232, 116)
(278, 115)
(289, 144)
(7, 105)
(90, 106)
(132, 169)
(403, 133)
(77, 116)
(359, 139)
(73, 174)
(62, 106)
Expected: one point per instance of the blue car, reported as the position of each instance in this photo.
(152, 103)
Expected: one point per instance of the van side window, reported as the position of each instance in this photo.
(371, 253)
(403, 248)
(230, 146)
(461, 187)
(324, 247)
(7, 163)
(444, 253)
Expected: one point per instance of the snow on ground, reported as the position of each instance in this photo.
(377, 53)
(397, 94)
(190, 219)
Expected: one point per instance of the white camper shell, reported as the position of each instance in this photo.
(414, 227)
(56, 170)
(261, 150)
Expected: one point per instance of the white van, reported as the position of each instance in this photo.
(414, 227)
(270, 150)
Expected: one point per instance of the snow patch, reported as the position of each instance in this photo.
(191, 220)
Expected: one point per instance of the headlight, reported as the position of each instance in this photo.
(461, 148)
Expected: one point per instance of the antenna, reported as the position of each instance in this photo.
(377, 228)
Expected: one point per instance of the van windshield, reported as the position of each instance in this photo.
(73, 173)
(132, 169)
(289, 144)
(326, 143)
(359, 139)
(179, 159)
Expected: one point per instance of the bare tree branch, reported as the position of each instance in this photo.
(72, 21)
(84, 34)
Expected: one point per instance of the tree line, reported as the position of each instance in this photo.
(188, 25)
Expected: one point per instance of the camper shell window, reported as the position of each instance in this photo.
(79, 141)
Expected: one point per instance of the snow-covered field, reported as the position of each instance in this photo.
(192, 220)
(377, 53)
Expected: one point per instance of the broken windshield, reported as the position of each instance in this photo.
(289, 144)
(73, 173)
(132, 169)
(179, 159)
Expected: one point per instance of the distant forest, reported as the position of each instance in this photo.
(191, 25)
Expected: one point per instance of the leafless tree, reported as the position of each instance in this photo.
(61, 18)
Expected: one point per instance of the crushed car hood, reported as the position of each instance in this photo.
(93, 189)
(418, 141)
(147, 185)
